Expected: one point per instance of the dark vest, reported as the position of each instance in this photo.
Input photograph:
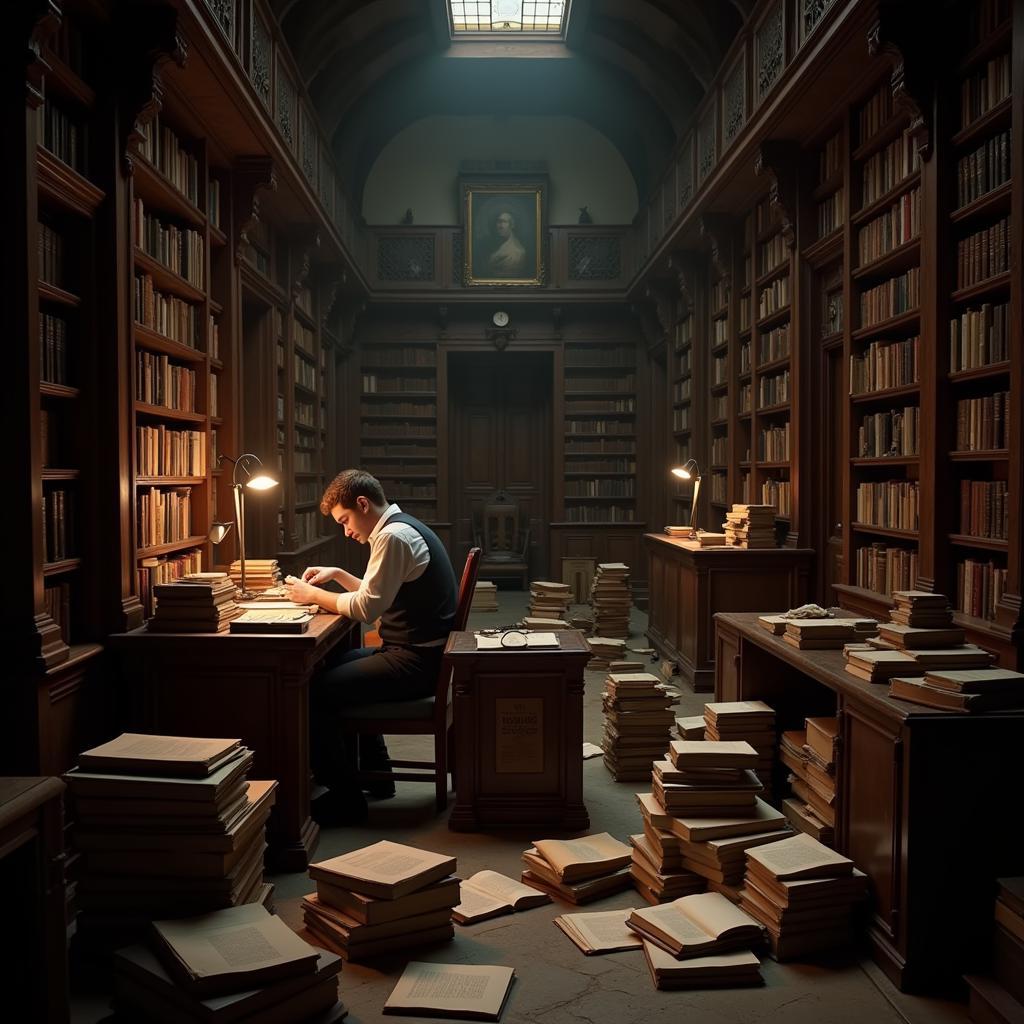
(424, 608)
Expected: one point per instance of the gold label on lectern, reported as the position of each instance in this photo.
(519, 734)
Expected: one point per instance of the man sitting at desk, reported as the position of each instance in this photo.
(410, 585)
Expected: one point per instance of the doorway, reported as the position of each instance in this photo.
(499, 416)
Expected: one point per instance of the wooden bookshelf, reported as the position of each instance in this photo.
(682, 405)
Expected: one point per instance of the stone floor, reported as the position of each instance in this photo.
(555, 983)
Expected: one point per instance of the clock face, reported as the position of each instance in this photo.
(500, 318)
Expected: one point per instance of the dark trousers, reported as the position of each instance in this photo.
(369, 675)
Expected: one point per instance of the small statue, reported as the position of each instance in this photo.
(585, 217)
(407, 216)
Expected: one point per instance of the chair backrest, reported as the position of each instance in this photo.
(466, 586)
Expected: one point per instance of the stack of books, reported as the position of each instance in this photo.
(678, 531)
(237, 965)
(549, 600)
(701, 931)
(380, 899)
(803, 893)
(533, 624)
(485, 597)
(922, 609)
(964, 690)
(810, 754)
(749, 720)
(1005, 987)
(750, 526)
(711, 540)
(611, 599)
(201, 602)
(879, 664)
(690, 728)
(584, 623)
(260, 574)
(638, 721)
(827, 634)
(657, 869)
(578, 870)
(604, 650)
(166, 826)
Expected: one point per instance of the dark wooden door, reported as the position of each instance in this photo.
(499, 416)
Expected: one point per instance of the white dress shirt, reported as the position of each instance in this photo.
(398, 554)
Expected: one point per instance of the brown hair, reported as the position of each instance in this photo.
(349, 485)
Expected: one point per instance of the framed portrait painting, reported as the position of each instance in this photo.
(504, 222)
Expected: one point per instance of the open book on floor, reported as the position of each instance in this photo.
(573, 860)
(464, 991)
(601, 932)
(694, 925)
(489, 894)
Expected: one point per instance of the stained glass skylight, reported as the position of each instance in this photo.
(512, 16)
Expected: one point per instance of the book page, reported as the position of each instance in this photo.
(498, 887)
(559, 853)
(143, 747)
(274, 615)
(591, 750)
(715, 913)
(603, 931)
(798, 854)
(384, 862)
(670, 919)
(457, 988)
(474, 902)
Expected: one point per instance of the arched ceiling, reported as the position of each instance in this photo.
(633, 69)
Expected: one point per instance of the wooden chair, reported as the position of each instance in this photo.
(426, 716)
(504, 541)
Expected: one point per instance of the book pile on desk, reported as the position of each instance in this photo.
(197, 603)
(803, 893)
(485, 597)
(166, 826)
(690, 728)
(638, 721)
(233, 966)
(750, 526)
(549, 600)
(611, 599)
(679, 531)
(578, 870)
(381, 899)
(604, 650)
(699, 941)
(810, 755)
(827, 634)
(260, 574)
(964, 690)
(749, 720)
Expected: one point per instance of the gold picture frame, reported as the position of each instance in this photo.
(505, 229)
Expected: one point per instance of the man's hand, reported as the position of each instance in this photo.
(301, 592)
(319, 574)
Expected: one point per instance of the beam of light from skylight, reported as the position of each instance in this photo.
(513, 16)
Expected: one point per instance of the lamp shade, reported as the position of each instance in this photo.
(688, 471)
(218, 531)
(261, 482)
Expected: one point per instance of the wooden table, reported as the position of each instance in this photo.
(909, 780)
(518, 720)
(690, 583)
(255, 686)
(33, 938)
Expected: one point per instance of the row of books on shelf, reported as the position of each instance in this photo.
(719, 406)
(62, 135)
(413, 408)
(719, 370)
(773, 345)
(983, 424)
(979, 588)
(303, 337)
(58, 513)
(681, 390)
(164, 569)
(600, 514)
(395, 431)
(374, 384)
(624, 383)
(412, 355)
(53, 349)
(163, 149)
(399, 450)
(683, 363)
(893, 433)
(167, 314)
(773, 444)
(599, 355)
(884, 365)
(181, 250)
(771, 254)
(164, 516)
(305, 373)
(161, 451)
(158, 381)
(576, 406)
(304, 461)
(830, 212)
(598, 427)
(979, 337)
(600, 466)
(898, 225)
(744, 398)
(830, 158)
(887, 168)
(600, 488)
(985, 89)
(57, 603)
(720, 332)
(984, 254)
(778, 493)
(985, 509)
(773, 297)
(51, 255)
(892, 504)
(600, 446)
(876, 111)
(884, 569)
(985, 169)
(774, 389)
(307, 526)
(891, 298)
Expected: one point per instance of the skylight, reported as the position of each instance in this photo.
(514, 17)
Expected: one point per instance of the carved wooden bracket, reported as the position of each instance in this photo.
(650, 326)
(306, 249)
(680, 265)
(499, 337)
(38, 21)
(780, 161)
(253, 175)
(162, 42)
(715, 229)
(350, 313)
(896, 36)
(664, 306)
(334, 279)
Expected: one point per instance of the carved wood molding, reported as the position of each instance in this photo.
(306, 249)
(715, 229)
(780, 161)
(650, 326)
(253, 176)
(664, 305)
(681, 265)
(334, 278)
(896, 36)
(350, 313)
(39, 19)
(162, 43)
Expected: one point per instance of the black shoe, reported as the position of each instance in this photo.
(340, 808)
(380, 789)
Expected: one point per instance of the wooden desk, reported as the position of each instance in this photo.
(518, 719)
(690, 583)
(33, 937)
(909, 779)
(255, 686)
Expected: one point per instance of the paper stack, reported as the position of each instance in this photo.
(197, 603)
(678, 531)
(236, 965)
(750, 720)
(964, 690)
(638, 720)
(603, 932)
(533, 624)
(578, 870)
(604, 650)
(810, 754)
(380, 899)
(485, 597)
(750, 526)
(611, 600)
(804, 893)
(690, 728)
(827, 634)
(167, 826)
(260, 574)
(549, 600)
(657, 869)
